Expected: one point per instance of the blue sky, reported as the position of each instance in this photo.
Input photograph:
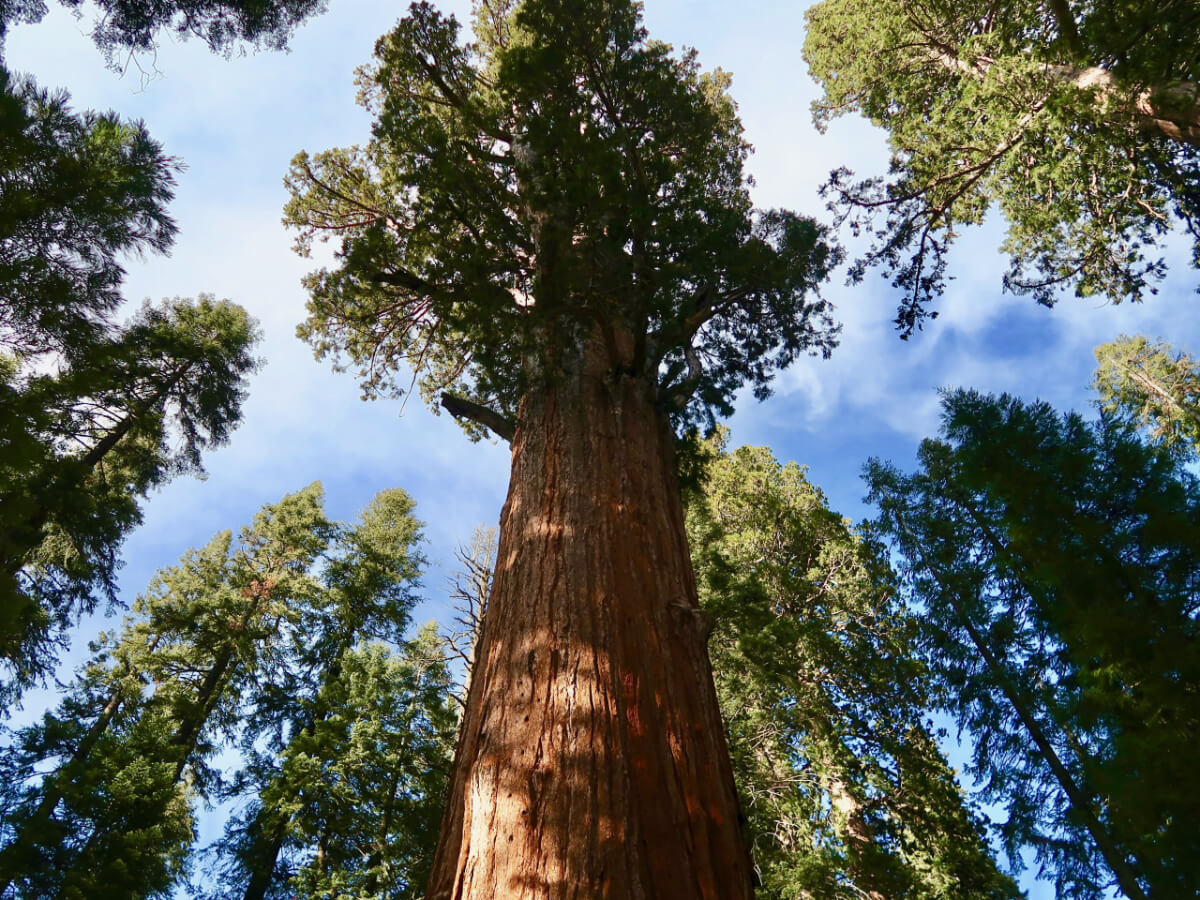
(237, 122)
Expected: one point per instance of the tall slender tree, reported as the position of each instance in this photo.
(1057, 563)
(353, 806)
(551, 228)
(365, 592)
(106, 782)
(825, 698)
(93, 414)
(1079, 121)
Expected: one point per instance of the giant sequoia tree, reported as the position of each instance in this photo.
(551, 228)
(1079, 120)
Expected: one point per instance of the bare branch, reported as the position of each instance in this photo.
(461, 408)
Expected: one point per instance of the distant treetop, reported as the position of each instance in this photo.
(134, 25)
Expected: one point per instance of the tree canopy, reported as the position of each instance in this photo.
(272, 644)
(1079, 121)
(134, 25)
(1056, 561)
(94, 413)
(563, 175)
(825, 699)
(1154, 387)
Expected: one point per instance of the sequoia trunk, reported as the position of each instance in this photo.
(592, 761)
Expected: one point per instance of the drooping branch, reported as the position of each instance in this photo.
(462, 408)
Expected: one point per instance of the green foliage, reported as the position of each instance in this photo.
(1056, 562)
(1080, 121)
(1153, 387)
(363, 789)
(88, 441)
(842, 784)
(129, 26)
(101, 180)
(235, 644)
(126, 752)
(93, 414)
(564, 177)
(349, 743)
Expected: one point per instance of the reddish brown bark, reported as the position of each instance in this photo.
(592, 761)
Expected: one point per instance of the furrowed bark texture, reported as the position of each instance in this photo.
(592, 761)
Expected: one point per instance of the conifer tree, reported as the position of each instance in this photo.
(1079, 121)
(551, 228)
(126, 752)
(365, 594)
(1057, 563)
(824, 699)
(130, 26)
(1154, 387)
(353, 806)
(93, 414)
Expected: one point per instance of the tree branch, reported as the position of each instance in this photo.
(677, 396)
(1069, 30)
(461, 408)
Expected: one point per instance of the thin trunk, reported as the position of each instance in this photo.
(270, 831)
(592, 759)
(1081, 800)
(206, 698)
(55, 785)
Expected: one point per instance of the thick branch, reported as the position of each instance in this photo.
(1172, 111)
(1068, 29)
(461, 408)
(676, 396)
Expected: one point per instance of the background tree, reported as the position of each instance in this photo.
(1079, 121)
(90, 441)
(1056, 560)
(469, 592)
(107, 781)
(552, 227)
(823, 696)
(360, 791)
(363, 593)
(93, 414)
(130, 26)
(1155, 387)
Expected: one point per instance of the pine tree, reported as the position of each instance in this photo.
(360, 791)
(824, 698)
(365, 593)
(1079, 121)
(1057, 564)
(551, 228)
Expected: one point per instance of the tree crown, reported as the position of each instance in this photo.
(562, 178)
